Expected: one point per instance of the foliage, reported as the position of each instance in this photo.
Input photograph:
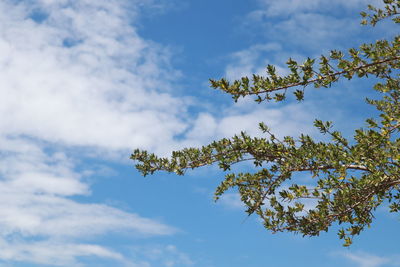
(351, 178)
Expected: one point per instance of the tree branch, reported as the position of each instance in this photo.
(316, 79)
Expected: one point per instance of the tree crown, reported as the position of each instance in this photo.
(350, 179)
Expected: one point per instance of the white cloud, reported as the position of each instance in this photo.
(291, 29)
(34, 205)
(203, 128)
(312, 27)
(296, 29)
(231, 201)
(27, 168)
(246, 62)
(54, 217)
(52, 253)
(74, 74)
(107, 89)
(167, 255)
(363, 259)
(288, 120)
(289, 7)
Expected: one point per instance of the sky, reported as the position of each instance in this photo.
(83, 83)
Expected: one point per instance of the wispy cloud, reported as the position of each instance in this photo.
(231, 201)
(290, 7)
(166, 255)
(245, 116)
(362, 259)
(251, 60)
(34, 205)
(53, 253)
(295, 29)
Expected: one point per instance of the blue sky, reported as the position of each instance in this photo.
(85, 82)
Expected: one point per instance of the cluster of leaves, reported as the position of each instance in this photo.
(350, 179)
(391, 10)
